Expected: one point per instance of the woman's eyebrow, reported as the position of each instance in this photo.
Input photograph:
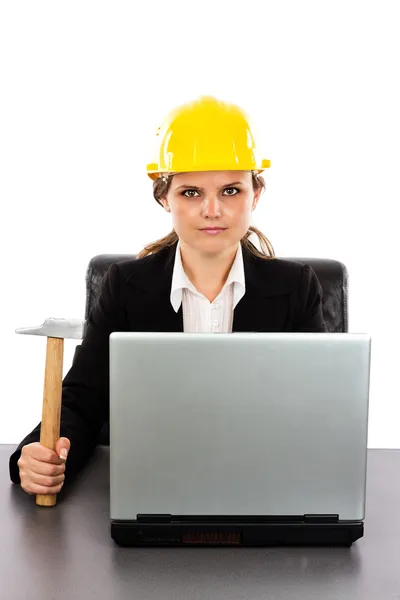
(195, 187)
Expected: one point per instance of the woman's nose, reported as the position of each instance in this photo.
(211, 207)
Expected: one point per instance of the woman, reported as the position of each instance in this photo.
(205, 276)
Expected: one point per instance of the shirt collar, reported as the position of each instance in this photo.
(180, 280)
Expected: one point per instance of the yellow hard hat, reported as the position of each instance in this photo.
(205, 135)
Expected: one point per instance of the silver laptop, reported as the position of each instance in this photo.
(242, 438)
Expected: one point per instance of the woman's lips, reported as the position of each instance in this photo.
(213, 230)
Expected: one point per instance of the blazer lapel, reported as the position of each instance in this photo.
(149, 290)
(265, 305)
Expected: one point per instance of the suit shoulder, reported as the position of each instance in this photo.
(275, 275)
(284, 264)
(279, 267)
(134, 267)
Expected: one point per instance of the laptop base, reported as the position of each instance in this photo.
(206, 531)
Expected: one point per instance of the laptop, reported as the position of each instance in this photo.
(238, 439)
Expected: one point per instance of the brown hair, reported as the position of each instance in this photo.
(160, 188)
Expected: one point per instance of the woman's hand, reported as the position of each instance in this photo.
(41, 470)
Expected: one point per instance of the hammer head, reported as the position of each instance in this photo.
(56, 328)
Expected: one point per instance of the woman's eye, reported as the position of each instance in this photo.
(231, 189)
(189, 193)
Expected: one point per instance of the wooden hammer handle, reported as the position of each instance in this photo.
(51, 411)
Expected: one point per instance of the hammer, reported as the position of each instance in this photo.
(56, 330)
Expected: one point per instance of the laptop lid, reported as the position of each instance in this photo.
(238, 424)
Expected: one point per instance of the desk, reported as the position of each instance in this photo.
(66, 551)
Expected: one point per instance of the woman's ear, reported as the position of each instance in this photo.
(164, 203)
(256, 199)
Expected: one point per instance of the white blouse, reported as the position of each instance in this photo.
(199, 314)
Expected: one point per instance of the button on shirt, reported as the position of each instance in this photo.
(199, 314)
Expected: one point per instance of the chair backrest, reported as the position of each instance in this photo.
(332, 276)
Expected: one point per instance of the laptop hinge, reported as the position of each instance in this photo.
(321, 518)
(154, 518)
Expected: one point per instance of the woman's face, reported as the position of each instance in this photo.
(211, 210)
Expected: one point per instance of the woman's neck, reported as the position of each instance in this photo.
(207, 272)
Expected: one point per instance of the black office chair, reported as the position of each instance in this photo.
(332, 276)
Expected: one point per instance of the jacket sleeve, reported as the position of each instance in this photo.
(85, 388)
(308, 311)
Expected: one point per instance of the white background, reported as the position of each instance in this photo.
(84, 86)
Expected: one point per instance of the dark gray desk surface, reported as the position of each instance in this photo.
(66, 551)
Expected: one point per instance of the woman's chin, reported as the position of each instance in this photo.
(213, 244)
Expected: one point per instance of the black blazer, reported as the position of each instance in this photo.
(135, 296)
